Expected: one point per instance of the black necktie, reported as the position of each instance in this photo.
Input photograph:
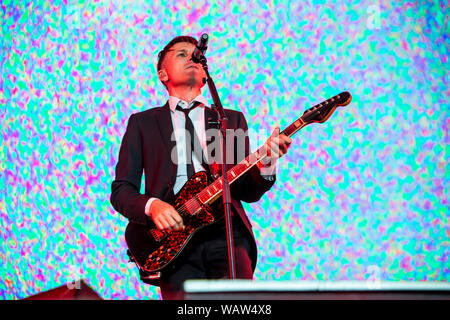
(192, 144)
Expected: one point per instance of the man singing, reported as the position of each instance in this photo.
(155, 143)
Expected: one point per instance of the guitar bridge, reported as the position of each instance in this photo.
(158, 235)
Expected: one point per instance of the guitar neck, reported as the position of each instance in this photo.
(318, 113)
(214, 190)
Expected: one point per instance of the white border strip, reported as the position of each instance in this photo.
(300, 286)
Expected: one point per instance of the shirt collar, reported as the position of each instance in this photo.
(174, 101)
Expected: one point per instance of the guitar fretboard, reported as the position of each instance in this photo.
(294, 127)
(318, 113)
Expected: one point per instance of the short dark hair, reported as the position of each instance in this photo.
(163, 52)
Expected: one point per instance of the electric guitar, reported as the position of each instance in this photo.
(153, 249)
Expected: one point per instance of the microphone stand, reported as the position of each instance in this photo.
(217, 106)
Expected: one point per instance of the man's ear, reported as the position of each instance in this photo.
(162, 75)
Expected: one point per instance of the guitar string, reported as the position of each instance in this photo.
(193, 206)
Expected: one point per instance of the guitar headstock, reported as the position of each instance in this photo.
(321, 112)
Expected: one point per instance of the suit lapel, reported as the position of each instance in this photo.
(211, 140)
(164, 122)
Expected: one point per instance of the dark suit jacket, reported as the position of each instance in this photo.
(147, 146)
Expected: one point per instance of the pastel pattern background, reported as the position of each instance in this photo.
(363, 196)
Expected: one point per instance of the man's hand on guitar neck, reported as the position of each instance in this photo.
(165, 216)
(276, 146)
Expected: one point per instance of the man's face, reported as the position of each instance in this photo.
(178, 68)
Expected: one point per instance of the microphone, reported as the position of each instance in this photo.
(200, 49)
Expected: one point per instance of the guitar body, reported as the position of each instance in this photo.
(154, 249)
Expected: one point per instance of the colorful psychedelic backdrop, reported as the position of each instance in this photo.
(362, 196)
